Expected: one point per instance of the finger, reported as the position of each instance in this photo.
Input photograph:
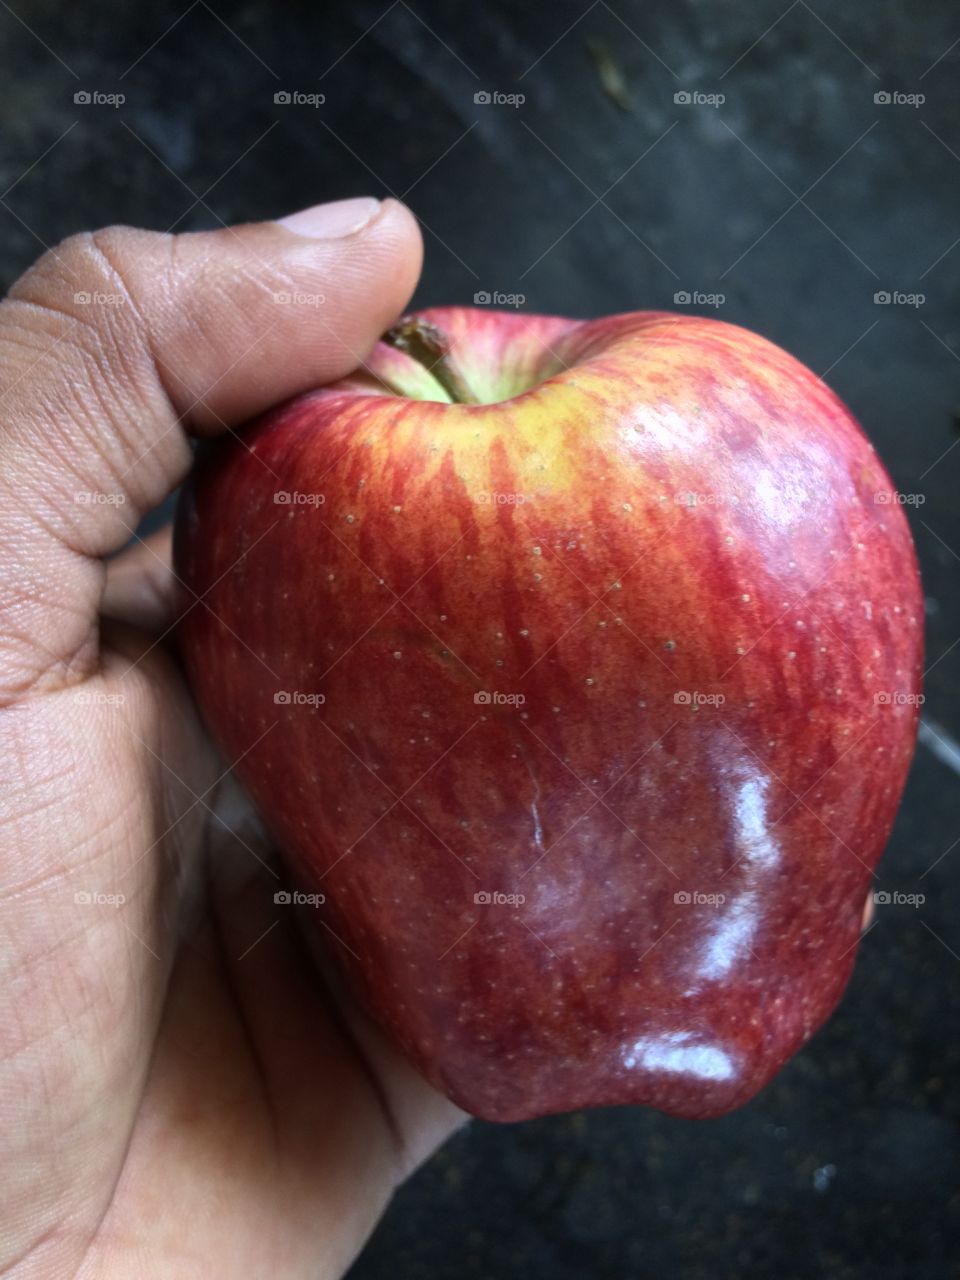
(116, 341)
(243, 871)
(140, 588)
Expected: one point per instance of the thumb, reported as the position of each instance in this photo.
(116, 341)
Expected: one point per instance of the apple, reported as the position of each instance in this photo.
(576, 665)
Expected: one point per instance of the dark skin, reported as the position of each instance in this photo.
(184, 1093)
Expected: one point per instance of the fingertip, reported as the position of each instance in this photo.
(400, 222)
(396, 232)
(384, 226)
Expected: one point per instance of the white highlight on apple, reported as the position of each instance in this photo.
(733, 932)
(675, 1055)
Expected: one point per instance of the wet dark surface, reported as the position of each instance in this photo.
(798, 198)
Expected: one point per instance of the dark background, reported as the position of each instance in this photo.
(798, 198)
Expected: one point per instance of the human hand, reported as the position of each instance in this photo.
(181, 1094)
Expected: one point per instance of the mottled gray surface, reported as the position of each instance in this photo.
(798, 199)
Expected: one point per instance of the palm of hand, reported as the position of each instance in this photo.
(192, 1092)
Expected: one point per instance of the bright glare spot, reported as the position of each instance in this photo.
(673, 1054)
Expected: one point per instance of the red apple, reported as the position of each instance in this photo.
(586, 701)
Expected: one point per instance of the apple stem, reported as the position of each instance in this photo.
(429, 346)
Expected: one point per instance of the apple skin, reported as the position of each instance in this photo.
(677, 545)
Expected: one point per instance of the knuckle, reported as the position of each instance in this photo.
(67, 269)
(64, 258)
(77, 358)
(94, 277)
(134, 261)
